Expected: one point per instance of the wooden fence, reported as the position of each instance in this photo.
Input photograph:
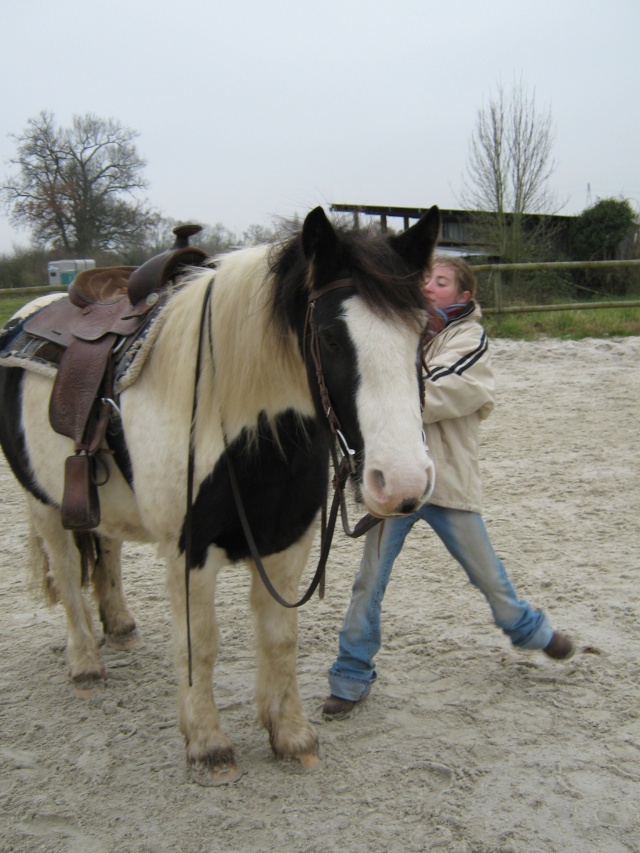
(30, 292)
(495, 277)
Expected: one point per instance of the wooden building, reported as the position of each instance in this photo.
(455, 235)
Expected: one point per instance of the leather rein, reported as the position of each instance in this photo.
(342, 467)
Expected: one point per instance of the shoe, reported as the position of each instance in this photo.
(560, 647)
(335, 708)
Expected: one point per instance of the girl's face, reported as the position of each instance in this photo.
(441, 288)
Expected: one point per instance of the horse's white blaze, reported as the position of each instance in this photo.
(398, 474)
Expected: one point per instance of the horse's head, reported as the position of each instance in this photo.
(355, 301)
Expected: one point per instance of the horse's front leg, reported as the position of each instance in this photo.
(279, 705)
(210, 757)
(117, 620)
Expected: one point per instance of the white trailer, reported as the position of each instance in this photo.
(62, 273)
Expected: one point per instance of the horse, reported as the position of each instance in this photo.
(319, 329)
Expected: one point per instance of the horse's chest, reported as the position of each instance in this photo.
(282, 484)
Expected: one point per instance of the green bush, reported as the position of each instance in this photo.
(25, 268)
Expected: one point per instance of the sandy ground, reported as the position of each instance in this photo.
(464, 743)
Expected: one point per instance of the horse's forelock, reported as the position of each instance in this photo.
(380, 275)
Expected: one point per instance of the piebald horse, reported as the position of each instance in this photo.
(257, 316)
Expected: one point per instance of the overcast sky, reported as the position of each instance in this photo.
(252, 109)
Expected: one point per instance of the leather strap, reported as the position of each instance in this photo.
(255, 556)
(75, 389)
(341, 474)
(188, 518)
(327, 288)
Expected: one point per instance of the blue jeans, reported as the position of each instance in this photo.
(465, 537)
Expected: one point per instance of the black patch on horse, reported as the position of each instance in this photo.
(11, 432)
(283, 482)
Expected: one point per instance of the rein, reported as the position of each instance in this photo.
(188, 519)
(342, 469)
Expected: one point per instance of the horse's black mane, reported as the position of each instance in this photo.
(380, 275)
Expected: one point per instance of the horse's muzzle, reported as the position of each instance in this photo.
(402, 494)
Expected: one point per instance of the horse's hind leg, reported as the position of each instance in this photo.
(210, 756)
(279, 705)
(63, 565)
(117, 620)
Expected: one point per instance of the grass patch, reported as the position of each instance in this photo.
(568, 325)
(9, 305)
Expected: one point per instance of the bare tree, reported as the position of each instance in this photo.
(76, 188)
(508, 172)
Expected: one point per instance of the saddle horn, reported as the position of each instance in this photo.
(163, 267)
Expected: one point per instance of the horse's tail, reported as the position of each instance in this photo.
(88, 545)
(42, 580)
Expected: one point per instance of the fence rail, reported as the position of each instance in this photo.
(495, 276)
(31, 291)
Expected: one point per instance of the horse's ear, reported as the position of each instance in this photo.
(319, 241)
(416, 244)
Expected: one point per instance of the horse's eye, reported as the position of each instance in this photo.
(330, 341)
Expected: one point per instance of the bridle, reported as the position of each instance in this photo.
(311, 330)
(342, 467)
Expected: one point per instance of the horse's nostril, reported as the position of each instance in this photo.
(378, 479)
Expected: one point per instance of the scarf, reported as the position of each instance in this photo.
(439, 318)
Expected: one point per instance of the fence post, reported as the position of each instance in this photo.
(497, 291)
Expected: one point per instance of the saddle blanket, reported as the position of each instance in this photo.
(20, 349)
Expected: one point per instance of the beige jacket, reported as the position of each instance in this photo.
(459, 394)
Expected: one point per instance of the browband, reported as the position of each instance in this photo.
(327, 288)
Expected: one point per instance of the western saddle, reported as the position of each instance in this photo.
(103, 312)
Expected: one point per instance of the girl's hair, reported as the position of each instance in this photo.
(465, 277)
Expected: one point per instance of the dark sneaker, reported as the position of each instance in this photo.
(560, 647)
(335, 708)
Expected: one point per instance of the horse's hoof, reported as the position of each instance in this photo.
(203, 773)
(122, 642)
(87, 687)
(87, 684)
(310, 761)
(86, 693)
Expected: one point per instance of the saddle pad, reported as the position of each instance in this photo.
(39, 355)
(18, 349)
